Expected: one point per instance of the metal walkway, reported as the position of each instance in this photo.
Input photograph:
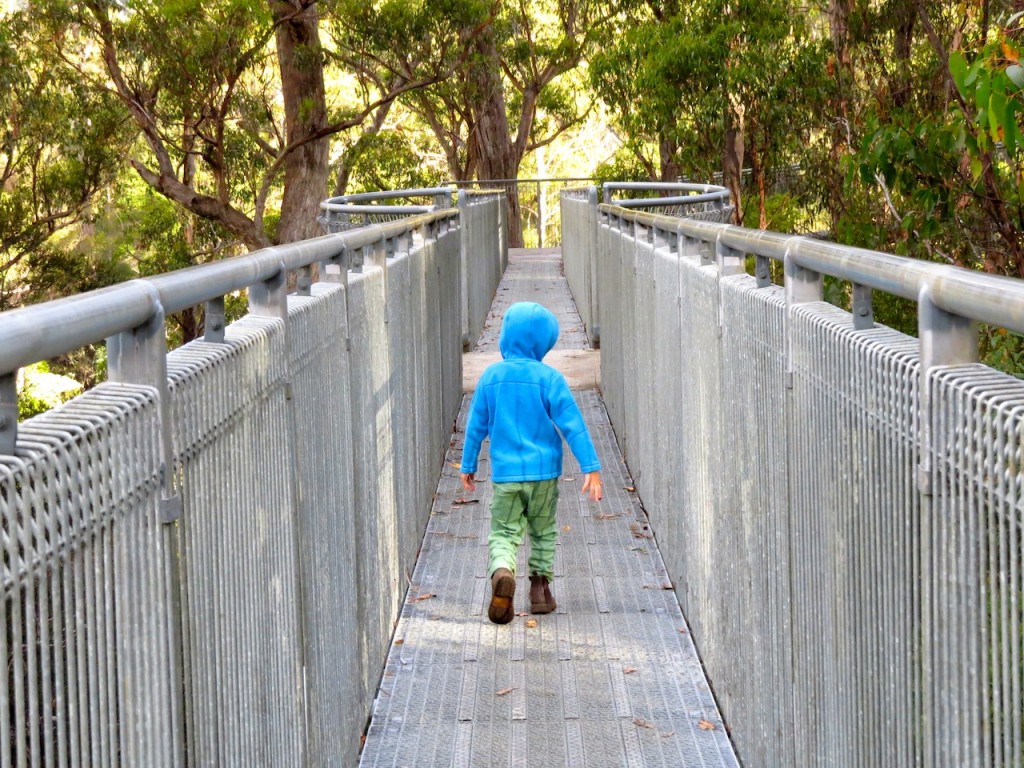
(610, 679)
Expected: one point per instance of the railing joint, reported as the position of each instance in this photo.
(8, 413)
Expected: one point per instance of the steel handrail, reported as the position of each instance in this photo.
(992, 299)
(44, 331)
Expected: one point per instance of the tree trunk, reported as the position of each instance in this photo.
(498, 155)
(302, 83)
(841, 70)
(757, 171)
(668, 154)
(732, 159)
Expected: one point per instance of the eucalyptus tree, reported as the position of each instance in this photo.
(936, 154)
(60, 143)
(228, 97)
(710, 85)
(514, 89)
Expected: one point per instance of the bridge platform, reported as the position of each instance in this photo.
(611, 678)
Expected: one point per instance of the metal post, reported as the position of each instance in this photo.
(801, 286)
(139, 356)
(8, 413)
(863, 313)
(730, 261)
(215, 321)
(541, 215)
(944, 339)
(270, 297)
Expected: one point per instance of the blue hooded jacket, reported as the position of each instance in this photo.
(520, 401)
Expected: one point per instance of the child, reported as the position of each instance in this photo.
(519, 402)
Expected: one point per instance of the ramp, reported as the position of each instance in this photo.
(610, 679)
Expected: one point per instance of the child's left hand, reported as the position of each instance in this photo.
(592, 483)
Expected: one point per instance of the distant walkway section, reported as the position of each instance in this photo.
(610, 679)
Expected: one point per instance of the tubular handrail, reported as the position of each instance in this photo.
(43, 331)
(993, 299)
(395, 194)
(693, 193)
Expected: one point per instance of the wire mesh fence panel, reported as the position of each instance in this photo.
(86, 634)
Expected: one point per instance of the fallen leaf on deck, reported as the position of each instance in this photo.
(641, 550)
(628, 670)
(629, 488)
(459, 502)
(399, 641)
(531, 623)
(425, 596)
(522, 613)
(706, 725)
(567, 528)
(681, 630)
(639, 531)
(605, 516)
(504, 691)
(642, 723)
(667, 735)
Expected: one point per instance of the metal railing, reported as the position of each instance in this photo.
(202, 560)
(839, 505)
(339, 214)
(539, 216)
(580, 221)
(484, 239)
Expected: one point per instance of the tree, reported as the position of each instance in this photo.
(511, 95)
(200, 82)
(708, 85)
(60, 143)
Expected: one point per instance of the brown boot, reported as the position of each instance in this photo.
(541, 599)
(503, 590)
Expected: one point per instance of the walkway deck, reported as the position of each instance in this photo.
(610, 679)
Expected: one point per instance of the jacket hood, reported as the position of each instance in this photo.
(528, 330)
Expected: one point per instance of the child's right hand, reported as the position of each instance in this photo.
(592, 483)
(468, 481)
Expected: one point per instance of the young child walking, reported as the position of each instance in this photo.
(526, 408)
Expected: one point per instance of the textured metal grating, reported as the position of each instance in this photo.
(85, 640)
(238, 546)
(611, 678)
(973, 621)
(854, 550)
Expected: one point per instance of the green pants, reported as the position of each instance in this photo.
(516, 507)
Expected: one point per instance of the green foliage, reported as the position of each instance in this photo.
(783, 213)
(624, 165)
(670, 79)
(40, 390)
(60, 143)
(389, 160)
(1002, 350)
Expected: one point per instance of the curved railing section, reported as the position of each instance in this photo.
(838, 504)
(706, 202)
(345, 212)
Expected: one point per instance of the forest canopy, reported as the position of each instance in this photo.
(139, 137)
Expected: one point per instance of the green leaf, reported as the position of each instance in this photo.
(958, 69)
(976, 168)
(1016, 74)
(996, 114)
(983, 90)
(972, 73)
